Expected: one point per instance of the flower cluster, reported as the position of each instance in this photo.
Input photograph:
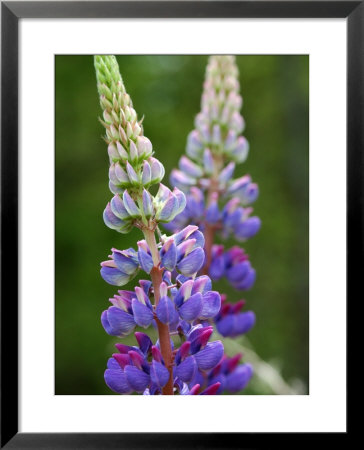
(216, 202)
(188, 301)
(177, 301)
(182, 252)
(220, 205)
(142, 369)
(133, 169)
(234, 264)
(230, 321)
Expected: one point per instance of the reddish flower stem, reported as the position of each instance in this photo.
(163, 329)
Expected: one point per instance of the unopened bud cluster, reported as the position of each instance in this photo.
(133, 169)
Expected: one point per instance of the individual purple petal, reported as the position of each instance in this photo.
(117, 322)
(183, 293)
(146, 174)
(156, 353)
(122, 152)
(130, 205)
(137, 359)
(144, 146)
(186, 369)
(217, 266)
(143, 316)
(115, 189)
(159, 374)
(137, 379)
(124, 263)
(106, 324)
(239, 185)
(190, 168)
(133, 151)
(144, 342)
(201, 284)
(145, 285)
(192, 263)
(211, 304)
(181, 199)
(165, 310)
(247, 282)
(238, 272)
(121, 176)
(184, 234)
(239, 378)
(248, 228)
(220, 378)
(225, 325)
(113, 364)
(181, 180)
(114, 276)
(240, 152)
(116, 380)
(230, 141)
(168, 209)
(142, 297)
(145, 260)
(194, 390)
(199, 238)
(182, 352)
(113, 153)
(199, 337)
(148, 208)
(191, 308)
(244, 322)
(194, 144)
(118, 208)
(227, 173)
(211, 390)
(185, 248)
(211, 355)
(124, 349)
(111, 220)
(122, 359)
(157, 170)
(132, 174)
(208, 161)
(169, 255)
(250, 194)
(213, 213)
(112, 175)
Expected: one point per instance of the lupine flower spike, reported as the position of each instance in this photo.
(221, 206)
(217, 203)
(176, 300)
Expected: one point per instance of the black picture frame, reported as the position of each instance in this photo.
(11, 12)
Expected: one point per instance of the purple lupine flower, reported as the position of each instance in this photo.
(197, 354)
(234, 264)
(130, 308)
(121, 268)
(232, 376)
(231, 322)
(236, 220)
(191, 301)
(134, 369)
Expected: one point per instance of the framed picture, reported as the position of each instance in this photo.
(297, 65)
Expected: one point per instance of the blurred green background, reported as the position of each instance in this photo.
(167, 90)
